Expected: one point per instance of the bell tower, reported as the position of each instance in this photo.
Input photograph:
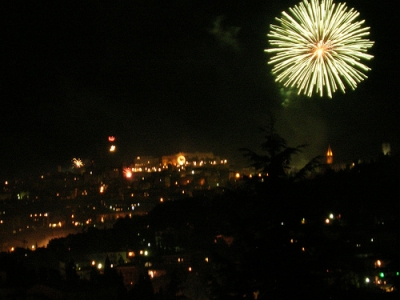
(329, 156)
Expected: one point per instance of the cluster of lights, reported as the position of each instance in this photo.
(99, 266)
(39, 215)
(380, 278)
(55, 225)
(332, 217)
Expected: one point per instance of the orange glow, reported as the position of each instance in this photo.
(111, 138)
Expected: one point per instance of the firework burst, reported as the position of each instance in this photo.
(77, 163)
(318, 46)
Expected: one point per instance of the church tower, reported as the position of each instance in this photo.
(329, 156)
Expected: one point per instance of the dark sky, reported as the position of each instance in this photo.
(168, 76)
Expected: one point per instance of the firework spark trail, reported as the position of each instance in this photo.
(319, 45)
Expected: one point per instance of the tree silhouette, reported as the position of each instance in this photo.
(70, 271)
(277, 155)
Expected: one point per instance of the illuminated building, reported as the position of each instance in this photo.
(195, 159)
(146, 162)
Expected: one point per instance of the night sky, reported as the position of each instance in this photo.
(167, 76)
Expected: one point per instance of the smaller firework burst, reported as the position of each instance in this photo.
(77, 163)
(127, 173)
